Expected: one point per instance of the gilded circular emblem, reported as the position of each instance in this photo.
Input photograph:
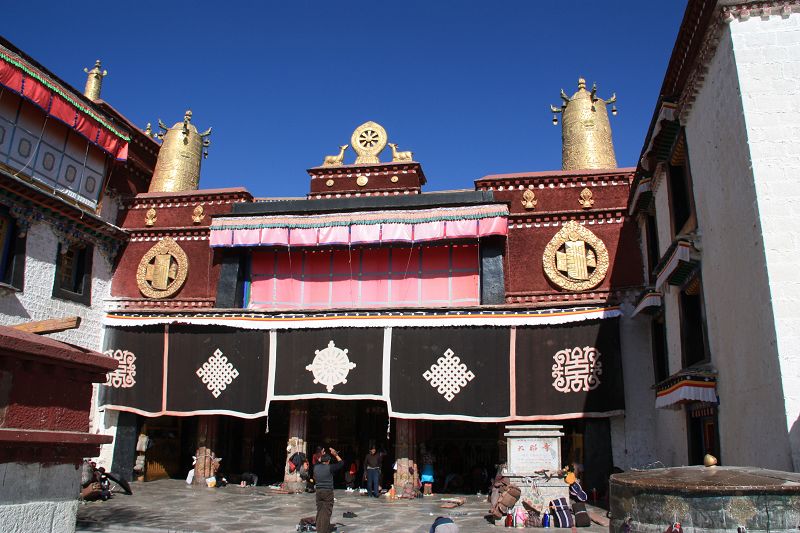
(368, 140)
(575, 259)
(329, 183)
(394, 179)
(162, 270)
(362, 180)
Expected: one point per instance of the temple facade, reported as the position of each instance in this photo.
(374, 312)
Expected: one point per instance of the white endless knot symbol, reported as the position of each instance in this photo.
(330, 366)
(448, 375)
(125, 375)
(217, 373)
(577, 369)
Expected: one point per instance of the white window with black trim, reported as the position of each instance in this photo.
(73, 280)
(12, 253)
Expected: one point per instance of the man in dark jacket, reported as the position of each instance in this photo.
(323, 476)
(372, 471)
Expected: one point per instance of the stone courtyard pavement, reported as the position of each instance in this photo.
(172, 506)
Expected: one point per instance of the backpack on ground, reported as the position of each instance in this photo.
(581, 515)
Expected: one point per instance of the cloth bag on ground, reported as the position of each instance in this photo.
(561, 513)
(577, 492)
(581, 515)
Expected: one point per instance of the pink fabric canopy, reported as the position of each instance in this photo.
(420, 225)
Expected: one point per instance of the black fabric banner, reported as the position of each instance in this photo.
(343, 361)
(215, 368)
(138, 382)
(450, 372)
(569, 369)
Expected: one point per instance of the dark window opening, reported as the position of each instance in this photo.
(679, 198)
(652, 245)
(74, 274)
(693, 336)
(12, 253)
(658, 334)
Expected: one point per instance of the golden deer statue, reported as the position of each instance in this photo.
(335, 160)
(400, 156)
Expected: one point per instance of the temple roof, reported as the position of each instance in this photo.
(355, 203)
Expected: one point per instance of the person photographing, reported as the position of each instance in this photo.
(329, 464)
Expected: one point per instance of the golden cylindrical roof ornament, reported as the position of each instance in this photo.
(585, 131)
(182, 150)
(94, 81)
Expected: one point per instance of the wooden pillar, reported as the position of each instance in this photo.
(502, 447)
(207, 427)
(298, 427)
(405, 452)
(249, 433)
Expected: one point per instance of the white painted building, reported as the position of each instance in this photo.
(63, 164)
(715, 195)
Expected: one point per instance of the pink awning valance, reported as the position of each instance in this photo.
(367, 227)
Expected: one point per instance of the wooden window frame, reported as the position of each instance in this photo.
(679, 158)
(703, 323)
(85, 296)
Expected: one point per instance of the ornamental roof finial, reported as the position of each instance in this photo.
(182, 150)
(94, 81)
(585, 132)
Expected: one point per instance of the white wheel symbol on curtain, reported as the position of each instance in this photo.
(330, 366)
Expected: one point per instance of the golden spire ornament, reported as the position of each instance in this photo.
(585, 131)
(178, 165)
(94, 81)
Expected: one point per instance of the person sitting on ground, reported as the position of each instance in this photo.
(323, 477)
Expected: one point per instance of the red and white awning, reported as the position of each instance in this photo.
(686, 388)
(649, 301)
(366, 227)
(679, 264)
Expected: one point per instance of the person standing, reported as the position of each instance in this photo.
(372, 470)
(323, 475)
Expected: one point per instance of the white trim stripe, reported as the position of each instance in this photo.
(371, 321)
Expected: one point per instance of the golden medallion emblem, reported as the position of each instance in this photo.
(162, 270)
(575, 259)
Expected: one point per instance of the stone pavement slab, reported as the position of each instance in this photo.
(172, 506)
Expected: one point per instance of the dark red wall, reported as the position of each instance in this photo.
(557, 196)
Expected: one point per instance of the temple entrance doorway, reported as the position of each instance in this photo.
(466, 454)
(351, 427)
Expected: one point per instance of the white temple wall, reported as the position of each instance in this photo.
(36, 302)
(767, 53)
(672, 445)
(736, 291)
(633, 436)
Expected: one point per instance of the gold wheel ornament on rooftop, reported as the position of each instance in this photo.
(368, 140)
(162, 270)
(575, 259)
(585, 131)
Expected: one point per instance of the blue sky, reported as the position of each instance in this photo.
(465, 85)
